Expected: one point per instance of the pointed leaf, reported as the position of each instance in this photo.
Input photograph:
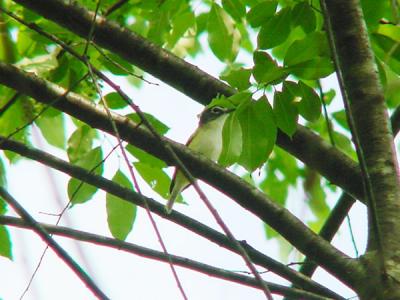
(285, 112)
(231, 141)
(5, 243)
(310, 104)
(115, 101)
(159, 126)
(275, 31)
(239, 79)
(303, 15)
(261, 12)
(155, 177)
(313, 69)
(120, 213)
(222, 34)
(79, 192)
(52, 128)
(313, 45)
(266, 70)
(80, 142)
(258, 132)
(145, 157)
(235, 8)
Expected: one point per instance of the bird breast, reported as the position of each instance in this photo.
(208, 138)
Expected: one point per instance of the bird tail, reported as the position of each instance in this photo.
(171, 200)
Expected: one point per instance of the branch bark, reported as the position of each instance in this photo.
(83, 236)
(369, 122)
(191, 224)
(195, 83)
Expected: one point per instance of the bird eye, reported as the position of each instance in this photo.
(217, 110)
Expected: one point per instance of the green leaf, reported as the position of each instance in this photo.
(275, 189)
(145, 157)
(310, 104)
(3, 177)
(303, 15)
(266, 70)
(80, 142)
(261, 12)
(181, 23)
(155, 177)
(315, 193)
(231, 141)
(258, 132)
(121, 214)
(113, 63)
(5, 243)
(285, 112)
(313, 69)
(313, 45)
(239, 78)
(159, 126)
(235, 8)
(39, 64)
(387, 50)
(115, 101)
(275, 31)
(391, 88)
(52, 127)
(14, 120)
(340, 117)
(79, 192)
(159, 27)
(223, 37)
(374, 11)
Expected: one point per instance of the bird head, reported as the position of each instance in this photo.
(213, 113)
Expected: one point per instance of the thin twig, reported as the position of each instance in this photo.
(115, 6)
(92, 28)
(121, 66)
(186, 222)
(9, 103)
(136, 184)
(170, 151)
(160, 256)
(91, 285)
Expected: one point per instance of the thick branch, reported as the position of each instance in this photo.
(246, 195)
(191, 224)
(200, 86)
(160, 256)
(369, 123)
(48, 239)
(368, 113)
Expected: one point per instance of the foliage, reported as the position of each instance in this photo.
(278, 90)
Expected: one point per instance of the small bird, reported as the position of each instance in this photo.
(207, 140)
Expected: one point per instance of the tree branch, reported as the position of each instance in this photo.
(42, 233)
(243, 193)
(369, 123)
(83, 236)
(189, 223)
(195, 83)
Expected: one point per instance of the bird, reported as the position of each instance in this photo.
(207, 140)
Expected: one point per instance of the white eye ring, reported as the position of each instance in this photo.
(217, 110)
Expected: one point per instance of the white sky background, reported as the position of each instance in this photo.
(125, 276)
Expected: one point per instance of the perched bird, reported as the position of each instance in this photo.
(207, 140)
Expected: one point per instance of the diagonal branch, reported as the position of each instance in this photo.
(44, 235)
(200, 86)
(191, 224)
(160, 256)
(369, 122)
(236, 188)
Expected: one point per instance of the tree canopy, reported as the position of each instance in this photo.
(292, 131)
